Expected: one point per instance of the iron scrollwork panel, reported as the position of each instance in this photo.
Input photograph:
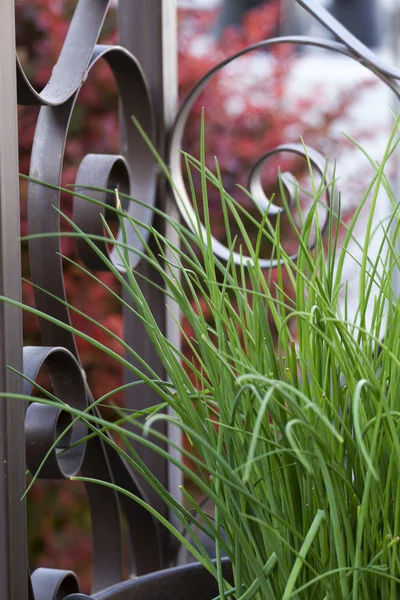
(136, 172)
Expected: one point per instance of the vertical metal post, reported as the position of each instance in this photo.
(148, 28)
(13, 551)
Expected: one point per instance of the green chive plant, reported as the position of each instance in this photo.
(296, 436)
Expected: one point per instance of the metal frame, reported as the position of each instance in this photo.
(140, 22)
(145, 70)
(13, 560)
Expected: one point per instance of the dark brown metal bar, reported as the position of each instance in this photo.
(148, 29)
(13, 552)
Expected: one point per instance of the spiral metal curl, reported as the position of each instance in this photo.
(45, 423)
(135, 172)
(348, 46)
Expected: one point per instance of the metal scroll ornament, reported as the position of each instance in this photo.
(348, 45)
(135, 173)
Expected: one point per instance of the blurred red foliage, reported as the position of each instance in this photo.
(246, 115)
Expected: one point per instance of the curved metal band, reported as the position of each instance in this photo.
(180, 192)
(93, 458)
(44, 423)
(108, 172)
(357, 49)
(190, 582)
(53, 584)
(71, 68)
(317, 161)
(101, 462)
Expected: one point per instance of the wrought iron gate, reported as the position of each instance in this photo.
(144, 67)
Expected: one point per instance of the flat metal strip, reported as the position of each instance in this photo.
(13, 551)
(148, 28)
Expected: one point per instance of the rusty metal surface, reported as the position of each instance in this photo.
(145, 72)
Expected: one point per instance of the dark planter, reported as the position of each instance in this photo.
(189, 582)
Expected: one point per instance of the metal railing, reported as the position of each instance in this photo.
(13, 552)
(145, 70)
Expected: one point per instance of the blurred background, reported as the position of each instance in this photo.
(257, 102)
